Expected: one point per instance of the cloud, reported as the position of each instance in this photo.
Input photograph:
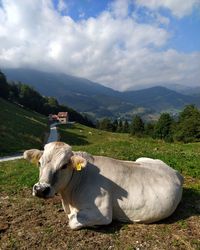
(113, 48)
(62, 6)
(179, 8)
(120, 8)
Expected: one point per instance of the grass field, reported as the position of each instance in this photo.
(30, 223)
(20, 129)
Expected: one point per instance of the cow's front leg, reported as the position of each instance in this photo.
(99, 213)
(87, 218)
(73, 222)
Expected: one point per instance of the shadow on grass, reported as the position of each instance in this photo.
(111, 228)
(189, 206)
(72, 138)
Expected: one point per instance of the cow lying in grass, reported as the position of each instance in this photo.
(96, 189)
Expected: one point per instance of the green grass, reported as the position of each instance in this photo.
(183, 157)
(16, 175)
(20, 129)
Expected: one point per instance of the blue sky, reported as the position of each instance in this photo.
(90, 8)
(118, 43)
(186, 33)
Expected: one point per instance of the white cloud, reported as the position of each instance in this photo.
(62, 6)
(119, 8)
(112, 49)
(179, 8)
(162, 19)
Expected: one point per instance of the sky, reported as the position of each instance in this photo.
(122, 44)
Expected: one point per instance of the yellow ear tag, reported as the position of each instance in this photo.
(78, 166)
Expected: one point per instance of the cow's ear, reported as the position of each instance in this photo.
(78, 162)
(33, 155)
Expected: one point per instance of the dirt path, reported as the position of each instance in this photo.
(53, 136)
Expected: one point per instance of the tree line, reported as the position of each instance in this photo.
(185, 128)
(28, 97)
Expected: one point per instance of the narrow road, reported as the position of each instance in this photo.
(53, 136)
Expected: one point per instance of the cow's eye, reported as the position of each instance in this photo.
(39, 164)
(64, 166)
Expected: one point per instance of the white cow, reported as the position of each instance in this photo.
(96, 189)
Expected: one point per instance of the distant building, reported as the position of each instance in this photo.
(61, 117)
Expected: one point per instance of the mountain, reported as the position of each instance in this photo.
(185, 90)
(100, 101)
(53, 83)
(159, 98)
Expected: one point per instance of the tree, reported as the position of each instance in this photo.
(51, 106)
(13, 92)
(115, 125)
(149, 129)
(126, 127)
(106, 124)
(30, 98)
(120, 126)
(164, 127)
(137, 126)
(188, 127)
(4, 87)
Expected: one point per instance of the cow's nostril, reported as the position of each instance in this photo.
(41, 190)
(46, 191)
(35, 187)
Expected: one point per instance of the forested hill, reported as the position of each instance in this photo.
(28, 97)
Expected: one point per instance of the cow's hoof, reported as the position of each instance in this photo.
(73, 222)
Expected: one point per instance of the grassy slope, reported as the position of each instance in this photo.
(20, 129)
(180, 231)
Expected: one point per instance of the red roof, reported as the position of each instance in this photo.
(62, 114)
(54, 117)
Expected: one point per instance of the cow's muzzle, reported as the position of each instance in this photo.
(43, 190)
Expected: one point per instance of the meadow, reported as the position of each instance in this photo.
(30, 223)
(20, 129)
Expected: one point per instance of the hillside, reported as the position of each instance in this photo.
(159, 98)
(99, 101)
(80, 94)
(20, 129)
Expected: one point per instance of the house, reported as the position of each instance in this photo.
(61, 117)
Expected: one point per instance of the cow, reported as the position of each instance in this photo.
(96, 189)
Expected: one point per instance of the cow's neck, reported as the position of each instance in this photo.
(70, 189)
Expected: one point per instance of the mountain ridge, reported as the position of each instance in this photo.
(100, 101)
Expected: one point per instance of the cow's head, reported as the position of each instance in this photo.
(56, 165)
